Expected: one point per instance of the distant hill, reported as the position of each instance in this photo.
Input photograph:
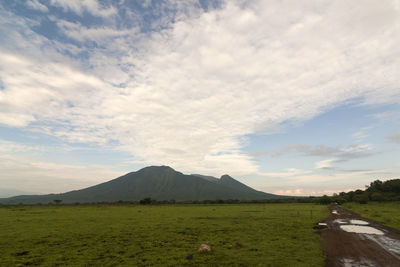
(156, 182)
(9, 192)
(228, 181)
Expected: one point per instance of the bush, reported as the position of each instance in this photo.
(145, 201)
(339, 200)
(362, 199)
(325, 200)
(377, 196)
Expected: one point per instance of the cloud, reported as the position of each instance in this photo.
(36, 5)
(313, 184)
(93, 7)
(394, 138)
(290, 192)
(306, 192)
(41, 89)
(288, 173)
(186, 95)
(325, 164)
(29, 174)
(362, 133)
(356, 151)
(308, 150)
(15, 119)
(12, 147)
(99, 35)
(21, 169)
(341, 153)
(393, 116)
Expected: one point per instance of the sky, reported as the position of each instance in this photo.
(288, 97)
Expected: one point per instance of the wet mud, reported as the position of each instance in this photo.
(351, 241)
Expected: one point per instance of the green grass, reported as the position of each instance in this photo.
(101, 235)
(386, 213)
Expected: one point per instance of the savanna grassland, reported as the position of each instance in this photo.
(386, 213)
(163, 235)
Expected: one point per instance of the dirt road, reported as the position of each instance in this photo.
(350, 240)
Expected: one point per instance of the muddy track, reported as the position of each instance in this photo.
(350, 240)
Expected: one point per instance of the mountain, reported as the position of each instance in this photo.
(208, 178)
(157, 182)
(9, 192)
(228, 181)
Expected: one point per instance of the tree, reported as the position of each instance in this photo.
(325, 200)
(377, 196)
(145, 201)
(359, 192)
(362, 199)
(57, 201)
(391, 186)
(338, 199)
(375, 186)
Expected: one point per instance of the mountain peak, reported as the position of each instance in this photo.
(157, 182)
(161, 168)
(226, 176)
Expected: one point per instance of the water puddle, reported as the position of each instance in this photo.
(359, 222)
(320, 226)
(335, 212)
(357, 263)
(340, 221)
(389, 244)
(361, 229)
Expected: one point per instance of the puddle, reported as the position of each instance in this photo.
(335, 212)
(359, 222)
(389, 244)
(361, 229)
(340, 221)
(357, 263)
(320, 226)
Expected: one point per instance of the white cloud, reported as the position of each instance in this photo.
(21, 169)
(341, 153)
(12, 147)
(290, 192)
(306, 192)
(288, 173)
(33, 86)
(15, 119)
(393, 116)
(358, 148)
(185, 96)
(100, 35)
(362, 133)
(325, 164)
(35, 4)
(80, 6)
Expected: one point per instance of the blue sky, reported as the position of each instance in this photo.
(290, 98)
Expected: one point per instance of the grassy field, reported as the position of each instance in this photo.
(386, 213)
(101, 235)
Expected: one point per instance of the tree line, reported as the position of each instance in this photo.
(377, 191)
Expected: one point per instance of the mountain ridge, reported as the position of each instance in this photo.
(157, 182)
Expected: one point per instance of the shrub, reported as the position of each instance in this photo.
(145, 201)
